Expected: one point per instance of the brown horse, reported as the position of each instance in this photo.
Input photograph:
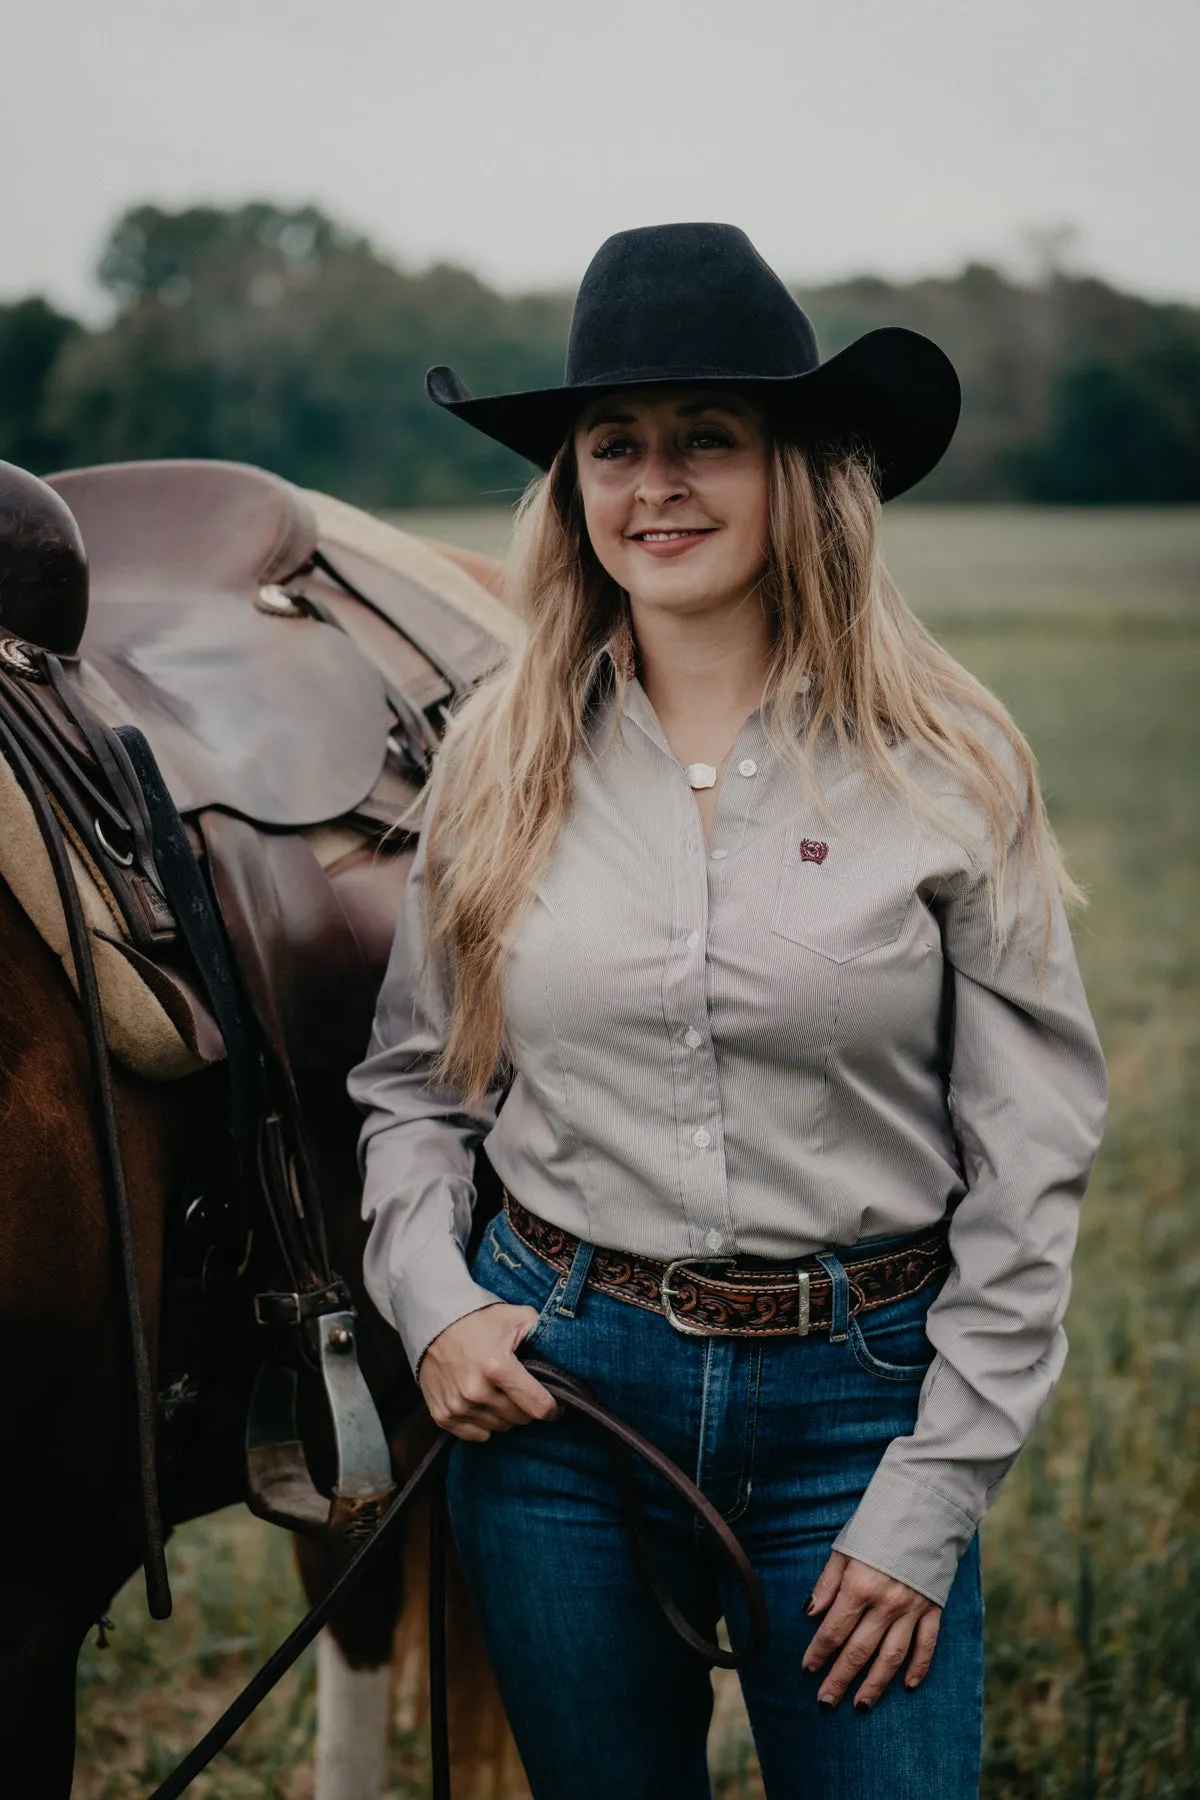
(69, 1519)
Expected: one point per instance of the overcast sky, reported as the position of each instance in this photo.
(899, 136)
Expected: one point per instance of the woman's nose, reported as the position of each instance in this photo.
(661, 479)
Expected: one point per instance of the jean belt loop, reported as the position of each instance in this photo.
(575, 1281)
(839, 1318)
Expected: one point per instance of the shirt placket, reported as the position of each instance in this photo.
(703, 873)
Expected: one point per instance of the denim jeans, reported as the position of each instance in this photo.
(604, 1701)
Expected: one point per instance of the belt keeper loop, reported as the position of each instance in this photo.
(575, 1280)
(839, 1315)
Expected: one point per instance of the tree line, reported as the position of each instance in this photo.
(277, 337)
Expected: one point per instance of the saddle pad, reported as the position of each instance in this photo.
(154, 1021)
(148, 1022)
(277, 717)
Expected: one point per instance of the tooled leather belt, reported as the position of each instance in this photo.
(786, 1300)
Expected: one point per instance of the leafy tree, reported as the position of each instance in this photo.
(32, 337)
(274, 337)
(1122, 431)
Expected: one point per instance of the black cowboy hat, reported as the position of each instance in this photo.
(696, 305)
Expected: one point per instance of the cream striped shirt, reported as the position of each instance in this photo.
(791, 1037)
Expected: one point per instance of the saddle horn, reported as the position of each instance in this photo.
(43, 564)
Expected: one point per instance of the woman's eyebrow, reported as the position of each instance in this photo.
(702, 406)
(608, 419)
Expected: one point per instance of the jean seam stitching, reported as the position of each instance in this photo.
(697, 1526)
(749, 1441)
(873, 1365)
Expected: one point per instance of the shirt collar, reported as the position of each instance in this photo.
(601, 688)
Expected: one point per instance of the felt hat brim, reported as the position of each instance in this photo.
(892, 393)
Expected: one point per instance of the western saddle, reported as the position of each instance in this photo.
(228, 720)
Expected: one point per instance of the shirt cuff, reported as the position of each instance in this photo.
(908, 1531)
(435, 1290)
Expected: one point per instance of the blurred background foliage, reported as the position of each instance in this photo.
(278, 337)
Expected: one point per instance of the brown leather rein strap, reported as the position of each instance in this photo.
(111, 1160)
(623, 1439)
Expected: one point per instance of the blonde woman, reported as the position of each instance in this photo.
(739, 892)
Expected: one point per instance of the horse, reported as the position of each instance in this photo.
(70, 1521)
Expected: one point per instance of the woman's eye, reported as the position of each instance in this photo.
(611, 447)
(710, 437)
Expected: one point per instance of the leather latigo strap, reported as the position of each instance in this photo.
(741, 1302)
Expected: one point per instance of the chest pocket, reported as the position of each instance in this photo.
(843, 896)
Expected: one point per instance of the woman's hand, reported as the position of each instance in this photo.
(875, 1621)
(473, 1380)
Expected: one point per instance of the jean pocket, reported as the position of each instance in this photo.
(894, 1348)
(545, 1318)
(507, 1269)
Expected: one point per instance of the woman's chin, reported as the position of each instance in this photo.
(684, 595)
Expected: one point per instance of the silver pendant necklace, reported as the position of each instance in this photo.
(701, 775)
(704, 775)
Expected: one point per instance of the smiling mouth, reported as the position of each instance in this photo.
(670, 537)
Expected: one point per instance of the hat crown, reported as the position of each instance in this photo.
(694, 300)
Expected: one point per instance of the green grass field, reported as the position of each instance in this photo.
(1088, 625)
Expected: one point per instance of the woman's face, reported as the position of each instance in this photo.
(674, 486)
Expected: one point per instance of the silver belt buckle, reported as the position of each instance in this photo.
(669, 1294)
(803, 1315)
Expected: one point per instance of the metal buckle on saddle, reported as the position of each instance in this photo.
(281, 1310)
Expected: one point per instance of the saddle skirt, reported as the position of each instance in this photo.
(289, 660)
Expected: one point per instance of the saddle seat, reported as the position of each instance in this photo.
(288, 660)
(249, 701)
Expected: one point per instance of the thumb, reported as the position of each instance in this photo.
(828, 1585)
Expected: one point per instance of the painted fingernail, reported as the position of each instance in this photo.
(810, 1605)
(826, 1705)
(863, 1706)
(912, 1686)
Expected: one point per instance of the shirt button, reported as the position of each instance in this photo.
(748, 766)
(719, 855)
(714, 1241)
(691, 1037)
(804, 684)
(701, 1139)
(693, 939)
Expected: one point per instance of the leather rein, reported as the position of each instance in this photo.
(622, 1439)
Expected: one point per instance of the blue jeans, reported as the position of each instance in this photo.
(783, 1436)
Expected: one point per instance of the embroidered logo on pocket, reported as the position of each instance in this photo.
(813, 850)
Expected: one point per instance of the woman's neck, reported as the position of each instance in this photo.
(703, 675)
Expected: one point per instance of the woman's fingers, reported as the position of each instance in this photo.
(470, 1434)
(856, 1652)
(828, 1584)
(924, 1639)
(888, 1660)
(522, 1390)
(472, 1379)
(871, 1625)
(834, 1629)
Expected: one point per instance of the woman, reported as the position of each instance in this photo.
(747, 887)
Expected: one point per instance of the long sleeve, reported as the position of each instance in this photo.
(417, 1145)
(1028, 1096)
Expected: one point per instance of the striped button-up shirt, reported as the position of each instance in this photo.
(792, 1036)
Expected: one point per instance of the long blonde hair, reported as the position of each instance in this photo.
(841, 627)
